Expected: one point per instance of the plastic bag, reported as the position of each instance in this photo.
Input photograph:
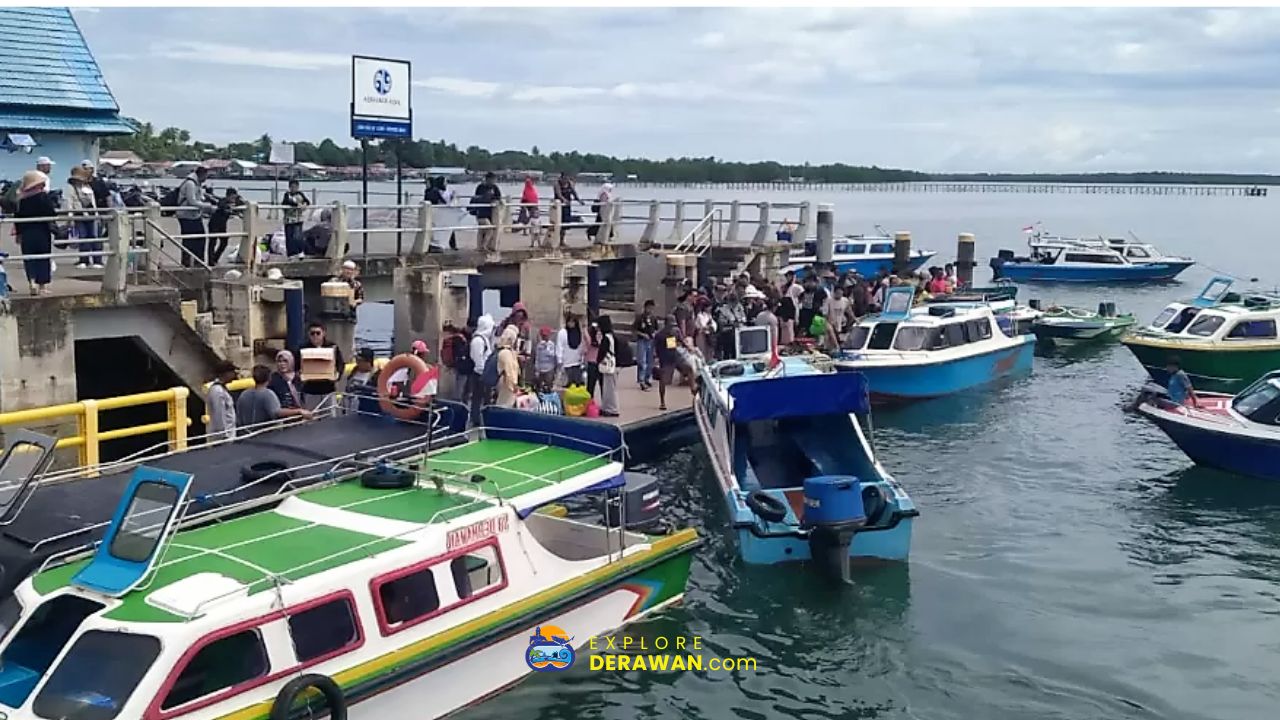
(593, 409)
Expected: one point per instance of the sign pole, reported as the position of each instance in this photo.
(399, 199)
(364, 190)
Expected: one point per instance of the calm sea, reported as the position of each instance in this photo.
(1068, 563)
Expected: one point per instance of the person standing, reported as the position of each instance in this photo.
(260, 404)
(190, 212)
(667, 344)
(295, 211)
(36, 238)
(602, 206)
(838, 311)
(566, 193)
(767, 318)
(607, 367)
(481, 347)
(44, 164)
(482, 201)
(315, 390)
(79, 205)
(453, 349)
(286, 383)
(363, 380)
(529, 212)
(730, 316)
(646, 326)
(569, 349)
(222, 408)
(508, 367)
(228, 205)
(591, 357)
(545, 361)
(445, 216)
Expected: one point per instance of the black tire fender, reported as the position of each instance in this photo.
(766, 506)
(282, 708)
(278, 471)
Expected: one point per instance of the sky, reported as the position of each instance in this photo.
(939, 90)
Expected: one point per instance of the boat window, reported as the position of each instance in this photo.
(1206, 325)
(324, 629)
(10, 611)
(857, 337)
(882, 248)
(223, 663)
(882, 336)
(1183, 319)
(1137, 252)
(40, 639)
(911, 338)
(979, 329)
(144, 521)
(1253, 402)
(476, 571)
(955, 334)
(409, 597)
(1251, 329)
(97, 676)
(1101, 258)
(1165, 316)
(857, 248)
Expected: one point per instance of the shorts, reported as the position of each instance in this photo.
(666, 374)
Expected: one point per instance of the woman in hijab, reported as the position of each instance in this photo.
(508, 367)
(36, 238)
(591, 355)
(608, 367)
(528, 205)
(285, 383)
(569, 348)
(601, 207)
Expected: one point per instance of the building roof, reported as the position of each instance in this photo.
(49, 80)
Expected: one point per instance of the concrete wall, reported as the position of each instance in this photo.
(38, 362)
(426, 299)
(65, 150)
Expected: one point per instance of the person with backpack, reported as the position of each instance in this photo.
(481, 350)
(486, 194)
(453, 355)
(191, 208)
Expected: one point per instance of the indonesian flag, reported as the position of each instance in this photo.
(1029, 228)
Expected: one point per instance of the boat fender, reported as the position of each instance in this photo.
(398, 408)
(282, 708)
(730, 368)
(766, 506)
(278, 471)
(387, 478)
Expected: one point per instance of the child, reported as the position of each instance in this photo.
(544, 362)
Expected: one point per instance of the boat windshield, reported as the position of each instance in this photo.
(1260, 403)
(97, 676)
(857, 337)
(1183, 319)
(1165, 316)
(1206, 325)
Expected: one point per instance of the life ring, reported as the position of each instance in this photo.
(398, 408)
(282, 708)
(387, 478)
(874, 504)
(766, 506)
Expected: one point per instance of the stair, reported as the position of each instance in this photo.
(221, 341)
(725, 263)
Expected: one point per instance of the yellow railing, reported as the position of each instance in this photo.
(89, 438)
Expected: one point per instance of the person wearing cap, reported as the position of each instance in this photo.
(222, 408)
(36, 238)
(44, 164)
(363, 380)
(79, 204)
(348, 276)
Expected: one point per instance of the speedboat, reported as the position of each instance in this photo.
(412, 588)
(1068, 325)
(913, 353)
(798, 475)
(1238, 434)
(1223, 339)
(867, 255)
(1057, 259)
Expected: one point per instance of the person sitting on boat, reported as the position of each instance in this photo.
(1179, 387)
(938, 284)
(261, 404)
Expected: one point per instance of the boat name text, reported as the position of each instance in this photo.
(476, 531)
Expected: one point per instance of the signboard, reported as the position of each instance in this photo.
(281, 154)
(380, 98)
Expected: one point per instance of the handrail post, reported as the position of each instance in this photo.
(651, 228)
(249, 243)
(178, 419)
(762, 231)
(151, 240)
(422, 239)
(606, 224)
(339, 240)
(556, 231)
(115, 278)
(499, 222)
(801, 233)
(677, 229)
(89, 456)
(735, 210)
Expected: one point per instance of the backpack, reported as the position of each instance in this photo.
(170, 198)
(9, 198)
(489, 377)
(451, 352)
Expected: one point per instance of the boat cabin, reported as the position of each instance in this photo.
(1218, 313)
(901, 328)
(1260, 402)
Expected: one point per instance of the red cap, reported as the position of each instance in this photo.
(418, 346)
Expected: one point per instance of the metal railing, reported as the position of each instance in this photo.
(702, 237)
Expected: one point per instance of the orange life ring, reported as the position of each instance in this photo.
(398, 408)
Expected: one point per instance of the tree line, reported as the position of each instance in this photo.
(176, 144)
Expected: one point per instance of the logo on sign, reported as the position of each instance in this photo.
(382, 81)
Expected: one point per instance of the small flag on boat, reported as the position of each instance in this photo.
(1029, 228)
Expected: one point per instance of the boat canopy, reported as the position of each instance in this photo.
(800, 396)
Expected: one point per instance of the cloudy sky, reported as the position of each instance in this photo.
(937, 90)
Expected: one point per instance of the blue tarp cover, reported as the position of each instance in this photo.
(800, 396)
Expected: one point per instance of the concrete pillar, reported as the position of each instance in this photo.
(426, 297)
(762, 229)
(735, 212)
(651, 227)
(801, 233)
(551, 285)
(116, 276)
(826, 232)
(341, 238)
(901, 252)
(422, 238)
(964, 259)
(677, 227)
(249, 243)
(708, 207)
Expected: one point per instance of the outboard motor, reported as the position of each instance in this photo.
(997, 262)
(643, 503)
(833, 514)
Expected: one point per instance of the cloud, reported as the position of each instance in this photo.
(554, 93)
(206, 52)
(459, 86)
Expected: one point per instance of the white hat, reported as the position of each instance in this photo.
(87, 164)
(44, 160)
(349, 265)
(275, 274)
(752, 292)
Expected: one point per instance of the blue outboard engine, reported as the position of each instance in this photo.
(833, 513)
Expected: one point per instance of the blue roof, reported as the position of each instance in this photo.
(46, 67)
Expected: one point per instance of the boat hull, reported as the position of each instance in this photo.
(892, 543)
(890, 383)
(1211, 368)
(1076, 332)
(864, 266)
(1218, 445)
(1040, 272)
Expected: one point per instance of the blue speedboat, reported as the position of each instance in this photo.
(798, 475)
(914, 353)
(867, 255)
(1240, 434)
(1056, 259)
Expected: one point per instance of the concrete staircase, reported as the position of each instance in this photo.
(618, 301)
(220, 340)
(724, 263)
